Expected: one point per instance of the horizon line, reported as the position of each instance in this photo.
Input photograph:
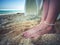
(11, 9)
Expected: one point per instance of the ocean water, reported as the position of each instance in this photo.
(10, 11)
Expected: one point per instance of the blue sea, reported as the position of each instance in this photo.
(10, 11)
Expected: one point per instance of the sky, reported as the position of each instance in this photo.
(12, 4)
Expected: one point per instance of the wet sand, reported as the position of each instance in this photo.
(12, 26)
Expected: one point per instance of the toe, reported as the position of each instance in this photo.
(25, 34)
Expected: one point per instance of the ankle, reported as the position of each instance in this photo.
(48, 23)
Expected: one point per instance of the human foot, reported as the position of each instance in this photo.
(38, 30)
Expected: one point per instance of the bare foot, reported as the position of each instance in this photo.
(38, 30)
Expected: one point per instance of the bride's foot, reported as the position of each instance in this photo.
(38, 30)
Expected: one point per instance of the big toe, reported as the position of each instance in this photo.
(26, 35)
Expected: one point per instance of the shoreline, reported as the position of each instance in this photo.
(12, 13)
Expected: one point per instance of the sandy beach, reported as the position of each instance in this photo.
(12, 26)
